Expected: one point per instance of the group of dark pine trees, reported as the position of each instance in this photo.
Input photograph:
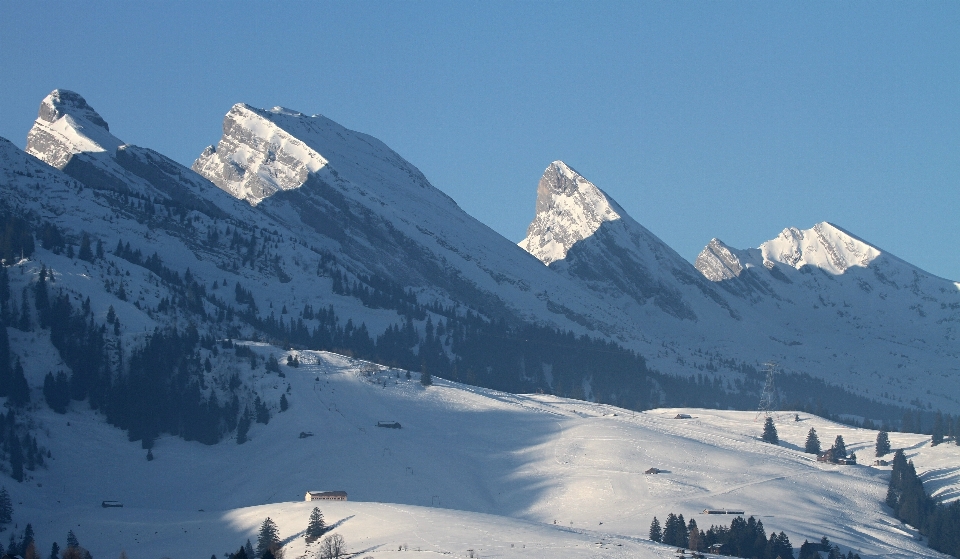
(24, 545)
(939, 522)
(744, 538)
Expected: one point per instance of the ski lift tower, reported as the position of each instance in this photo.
(769, 396)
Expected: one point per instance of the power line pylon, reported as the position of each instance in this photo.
(768, 399)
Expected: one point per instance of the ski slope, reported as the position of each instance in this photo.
(470, 469)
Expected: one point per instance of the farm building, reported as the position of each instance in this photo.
(326, 496)
(829, 457)
(722, 511)
(683, 416)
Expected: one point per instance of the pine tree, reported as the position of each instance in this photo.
(693, 536)
(770, 432)
(425, 378)
(55, 551)
(86, 253)
(6, 507)
(883, 443)
(27, 540)
(813, 442)
(72, 540)
(316, 527)
(269, 537)
(19, 389)
(6, 372)
(248, 549)
(839, 448)
(656, 533)
(284, 403)
(937, 435)
(243, 427)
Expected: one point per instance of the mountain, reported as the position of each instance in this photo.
(149, 310)
(326, 238)
(821, 302)
(582, 233)
(873, 314)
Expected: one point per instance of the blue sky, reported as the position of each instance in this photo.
(702, 119)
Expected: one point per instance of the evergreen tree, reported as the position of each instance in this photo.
(42, 298)
(55, 551)
(5, 370)
(656, 533)
(770, 432)
(937, 434)
(243, 427)
(883, 443)
(72, 540)
(693, 536)
(813, 442)
(16, 460)
(248, 549)
(316, 527)
(671, 535)
(19, 389)
(86, 253)
(268, 539)
(425, 378)
(839, 448)
(27, 539)
(56, 391)
(284, 403)
(6, 507)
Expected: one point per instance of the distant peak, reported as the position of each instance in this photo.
(569, 209)
(62, 102)
(718, 262)
(67, 125)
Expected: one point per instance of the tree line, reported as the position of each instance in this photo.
(939, 522)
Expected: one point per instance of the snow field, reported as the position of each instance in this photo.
(470, 469)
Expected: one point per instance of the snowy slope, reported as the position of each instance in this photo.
(303, 187)
(470, 469)
(584, 234)
(821, 301)
(863, 310)
(334, 184)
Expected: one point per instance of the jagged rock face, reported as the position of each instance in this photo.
(581, 232)
(569, 209)
(824, 246)
(255, 158)
(717, 262)
(66, 126)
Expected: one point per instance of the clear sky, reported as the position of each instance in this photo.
(702, 119)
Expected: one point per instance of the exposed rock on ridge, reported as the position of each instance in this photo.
(569, 209)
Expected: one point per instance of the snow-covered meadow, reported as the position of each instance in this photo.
(471, 469)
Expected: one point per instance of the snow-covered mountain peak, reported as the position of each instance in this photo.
(718, 261)
(265, 151)
(569, 209)
(62, 102)
(824, 246)
(255, 157)
(67, 125)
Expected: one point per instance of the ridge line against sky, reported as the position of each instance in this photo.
(701, 119)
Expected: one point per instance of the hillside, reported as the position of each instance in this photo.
(470, 469)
